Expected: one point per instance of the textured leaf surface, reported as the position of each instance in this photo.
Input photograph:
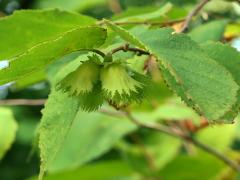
(8, 128)
(226, 56)
(213, 30)
(230, 59)
(58, 115)
(91, 135)
(205, 85)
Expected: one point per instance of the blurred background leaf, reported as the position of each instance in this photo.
(8, 128)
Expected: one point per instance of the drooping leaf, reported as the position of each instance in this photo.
(27, 28)
(213, 30)
(29, 80)
(58, 115)
(204, 84)
(92, 135)
(43, 39)
(8, 128)
(40, 56)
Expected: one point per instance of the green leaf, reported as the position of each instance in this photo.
(213, 30)
(91, 135)
(232, 30)
(29, 80)
(218, 6)
(74, 5)
(225, 55)
(230, 59)
(210, 136)
(8, 128)
(172, 109)
(34, 48)
(148, 16)
(28, 28)
(175, 86)
(198, 166)
(205, 85)
(106, 170)
(27, 124)
(163, 148)
(58, 116)
(124, 34)
(29, 62)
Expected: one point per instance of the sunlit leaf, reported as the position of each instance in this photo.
(8, 128)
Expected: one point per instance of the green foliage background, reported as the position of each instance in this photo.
(103, 147)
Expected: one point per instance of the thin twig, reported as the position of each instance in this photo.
(96, 51)
(217, 154)
(188, 138)
(111, 113)
(24, 102)
(194, 12)
(126, 47)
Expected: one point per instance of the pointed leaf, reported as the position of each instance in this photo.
(204, 84)
(27, 28)
(41, 38)
(58, 115)
(41, 55)
(92, 135)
